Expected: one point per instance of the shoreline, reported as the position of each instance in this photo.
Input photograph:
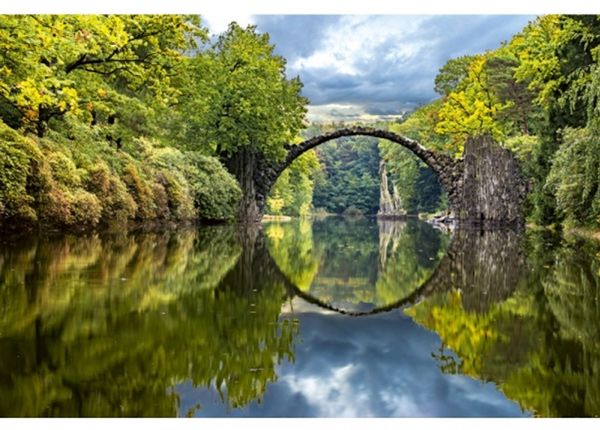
(148, 226)
(584, 232)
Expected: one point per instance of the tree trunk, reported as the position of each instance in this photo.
(242, 165)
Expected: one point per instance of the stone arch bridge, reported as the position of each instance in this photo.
(484, 187)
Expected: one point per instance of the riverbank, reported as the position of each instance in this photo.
(586, 233)
(279, 218)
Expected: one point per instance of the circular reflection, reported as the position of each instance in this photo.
(356, 266)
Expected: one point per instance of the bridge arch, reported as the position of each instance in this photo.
(484, 187)
(447, 169)
(437, 162)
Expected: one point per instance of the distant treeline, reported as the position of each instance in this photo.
(347, 175)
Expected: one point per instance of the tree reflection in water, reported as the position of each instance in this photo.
(95, 326)
(534, 332)
(356, 265)
(112, 325)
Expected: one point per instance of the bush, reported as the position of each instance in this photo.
(216, 192)
(117, 204)
(179, 194)
(353, 211)
(64, 170)
(20, 176)
(61, 207)
(141, 191)
(84, 209)
(574, 177)
(14, 169)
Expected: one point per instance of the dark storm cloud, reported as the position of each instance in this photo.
(297, 35)
(396, 66)
(383, 109)
(375, 366)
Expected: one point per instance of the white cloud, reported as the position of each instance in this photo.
(346, 112)
(339, 393)
(349, 64)
(218, 23)
(333, 394)
(356, 41)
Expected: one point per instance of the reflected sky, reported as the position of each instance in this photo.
(377, 366)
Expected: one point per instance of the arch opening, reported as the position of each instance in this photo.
(439, 172)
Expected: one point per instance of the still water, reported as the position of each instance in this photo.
(332, 317)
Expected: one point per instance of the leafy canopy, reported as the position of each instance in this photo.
(239, 97)
(51, 65)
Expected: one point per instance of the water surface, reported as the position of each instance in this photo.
(334, 317)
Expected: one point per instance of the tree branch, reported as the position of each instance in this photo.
(83, 58)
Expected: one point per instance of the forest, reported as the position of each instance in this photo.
(110, 120)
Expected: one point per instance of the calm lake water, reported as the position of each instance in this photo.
(335, 317)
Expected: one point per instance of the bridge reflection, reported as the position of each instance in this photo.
(412, 261)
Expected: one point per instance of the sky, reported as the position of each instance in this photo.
(372, 67)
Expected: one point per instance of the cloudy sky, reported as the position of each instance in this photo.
(368, 67)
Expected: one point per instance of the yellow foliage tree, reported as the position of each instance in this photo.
(472, 109)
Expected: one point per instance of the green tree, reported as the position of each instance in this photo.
(54, 64)
(415, 183)
(472, 109)
(452, 74)
(240, 105)
(559, 62)
(574, 178)
(248, 103)
(350, 175)
(292, 193)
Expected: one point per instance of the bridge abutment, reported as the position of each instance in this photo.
(491, 188)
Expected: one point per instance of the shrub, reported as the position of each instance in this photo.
(20, 176)
(141, 192)
(71, 208)
(353, 211)
(14, 169)
(117, 204)
(41, 183)
(98, 179)
(161, 200)
(64, 170)
(84, 209)
(216, 192)
(180, 199)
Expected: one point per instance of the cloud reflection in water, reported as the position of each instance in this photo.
(378, 366)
